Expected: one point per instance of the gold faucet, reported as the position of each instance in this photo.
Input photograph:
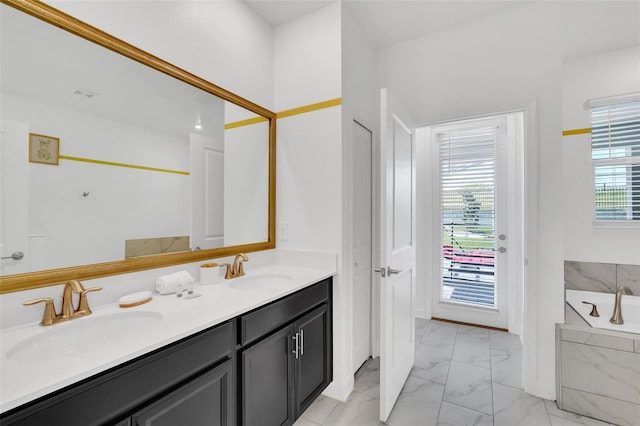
(236, 270)
(67, 310)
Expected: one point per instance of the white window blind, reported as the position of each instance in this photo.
(615, 150)
(468, 198)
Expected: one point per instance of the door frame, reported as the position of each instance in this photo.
(375, 237)
(524, 248)
(372, 233)
(497, 316)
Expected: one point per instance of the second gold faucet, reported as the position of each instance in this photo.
(236, 270)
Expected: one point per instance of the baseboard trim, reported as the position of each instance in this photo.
(470, 324)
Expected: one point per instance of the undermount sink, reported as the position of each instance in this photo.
(82, 335)
(260, 282)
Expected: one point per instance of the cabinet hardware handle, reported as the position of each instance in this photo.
(301, 342)
(296, 351)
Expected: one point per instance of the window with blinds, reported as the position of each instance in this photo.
(615, 149)
(467, 205)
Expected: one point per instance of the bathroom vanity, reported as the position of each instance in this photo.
(264, 365)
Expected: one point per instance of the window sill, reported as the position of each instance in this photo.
(624, 224)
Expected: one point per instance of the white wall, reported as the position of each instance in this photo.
(307, 66)
(502, 63)
(360, 101)
(594, 76)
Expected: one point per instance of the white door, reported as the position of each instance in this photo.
(397, 251)
(207, 200)
(14, 197)
(470, 230)
(362, 243)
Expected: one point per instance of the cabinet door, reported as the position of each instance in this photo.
(313, 368)
(205, 401)
(267, 378)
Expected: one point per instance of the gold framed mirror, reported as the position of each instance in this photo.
(238, 113)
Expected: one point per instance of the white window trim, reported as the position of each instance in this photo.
(608, 100)
(629, 161)
(629, 224)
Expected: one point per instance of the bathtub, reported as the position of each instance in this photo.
(605, 302)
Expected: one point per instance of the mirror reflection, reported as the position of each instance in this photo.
(103, 158)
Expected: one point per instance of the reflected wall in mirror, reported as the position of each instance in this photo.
(147, 153)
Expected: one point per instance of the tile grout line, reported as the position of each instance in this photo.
(493, 400)
(444, 389)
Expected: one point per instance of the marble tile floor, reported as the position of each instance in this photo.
(462, 376)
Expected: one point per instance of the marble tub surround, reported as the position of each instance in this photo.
(601, 277)
(598, 372)
(180, 318)
(629, 276)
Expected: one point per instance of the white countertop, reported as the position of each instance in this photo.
(23, 381)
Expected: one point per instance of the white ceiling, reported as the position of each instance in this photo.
(280, 11)
(386, 22)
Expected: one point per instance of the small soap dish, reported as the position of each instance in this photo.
(134, 299)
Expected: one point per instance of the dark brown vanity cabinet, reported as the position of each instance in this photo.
(286, 356)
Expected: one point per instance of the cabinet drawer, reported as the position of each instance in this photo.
(102, 397)
(268, 318)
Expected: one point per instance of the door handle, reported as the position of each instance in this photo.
(15, 256)
(391, 271)
(387, 271)
(301, 342)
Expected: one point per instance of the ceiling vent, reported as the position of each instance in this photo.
(84, 93)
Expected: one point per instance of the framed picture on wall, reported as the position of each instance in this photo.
(44, 149)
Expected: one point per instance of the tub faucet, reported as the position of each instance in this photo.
(616, 318)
